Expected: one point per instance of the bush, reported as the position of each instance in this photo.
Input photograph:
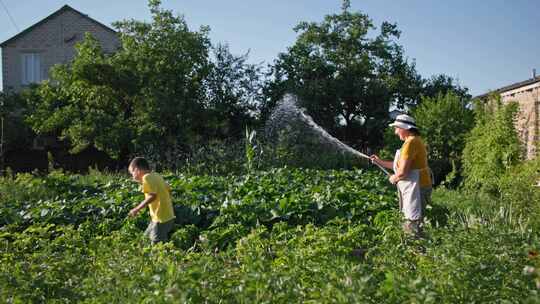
(491, 149)
(185, 237)
(444, 122)
(519, 189)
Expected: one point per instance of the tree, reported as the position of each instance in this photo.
(444, 121)
(233, 89)
(156, 94)
(171, 63)
(344, 78)
(84, 105)
(159, 94)
(14, 133)
(443, 84)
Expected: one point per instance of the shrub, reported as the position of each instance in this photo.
(444, 122)
(519, 189)
(185, 237)
(491, 148)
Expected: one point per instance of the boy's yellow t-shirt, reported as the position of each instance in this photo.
(414, 149)
(161, 209)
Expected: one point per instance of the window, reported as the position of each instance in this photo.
(31, 68)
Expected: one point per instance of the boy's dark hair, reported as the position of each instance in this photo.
(140, 163)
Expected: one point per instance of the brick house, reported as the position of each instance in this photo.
(527, 95)
(28, 56)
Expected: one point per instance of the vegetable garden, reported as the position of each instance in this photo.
(252, 227)
(282, 235)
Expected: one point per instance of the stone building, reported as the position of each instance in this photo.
(527, 95)
(28, 56)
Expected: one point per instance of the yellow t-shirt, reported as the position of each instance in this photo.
(161, 209)
(414, 149)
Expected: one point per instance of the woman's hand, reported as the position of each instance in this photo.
(393, 179)
(375, 159)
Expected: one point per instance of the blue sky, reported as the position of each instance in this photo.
(484, 44)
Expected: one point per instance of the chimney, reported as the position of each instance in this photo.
(534, 73)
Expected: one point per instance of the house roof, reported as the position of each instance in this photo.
(511, 87)
(58, 12)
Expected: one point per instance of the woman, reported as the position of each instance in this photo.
(412, 175)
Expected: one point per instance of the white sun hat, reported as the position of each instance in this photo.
(404, 121)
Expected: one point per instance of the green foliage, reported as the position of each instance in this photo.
(82, 106)
(519, 188)
(445, 121)
(160, 93)
(185, 237)
(345, 75)
(491, 149)
(59, 198)
(277, 236)
(281, 235)
(15, 133)
(251, 149)
(391, 143)
(442, 85)
(233, 90)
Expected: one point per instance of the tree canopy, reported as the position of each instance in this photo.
(346, 77)
(161, 90)
(168, 88)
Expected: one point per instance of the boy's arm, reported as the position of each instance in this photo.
(149, 199)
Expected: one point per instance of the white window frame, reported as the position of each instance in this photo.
(31, 68)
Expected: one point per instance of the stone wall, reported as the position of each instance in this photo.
(528, 98)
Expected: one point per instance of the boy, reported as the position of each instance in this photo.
(157, 197)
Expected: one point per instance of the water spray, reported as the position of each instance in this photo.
(288, 111)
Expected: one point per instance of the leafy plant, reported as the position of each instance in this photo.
(280, 235)
(519, 189)
(445, 121)
(492, 148)
(251, 149)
